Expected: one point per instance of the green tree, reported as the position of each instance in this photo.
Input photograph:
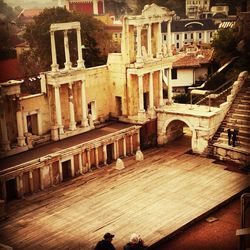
(38, 36)
(224, 44)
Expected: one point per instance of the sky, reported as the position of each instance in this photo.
(32, 3)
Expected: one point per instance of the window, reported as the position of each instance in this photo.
(177, 37)
(164, 37)
(174, 74)
(185, 36)
(200, 35)
(192, 36)
(177, 45)
(211, 34)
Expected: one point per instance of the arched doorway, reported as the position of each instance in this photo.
(178, 133)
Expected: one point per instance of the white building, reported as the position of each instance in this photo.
(187, 32)
(195, 7)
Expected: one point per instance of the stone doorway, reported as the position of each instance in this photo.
(32, 124)
(110, 153)
(146, 100)
(118, 102)
(11, 189)
(66, 170)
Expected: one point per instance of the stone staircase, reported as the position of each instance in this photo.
(238, 117)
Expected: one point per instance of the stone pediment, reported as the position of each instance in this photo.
(155, 10)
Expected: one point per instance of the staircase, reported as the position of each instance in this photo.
(238, 117)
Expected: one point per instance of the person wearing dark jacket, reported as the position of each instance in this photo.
(106, 243)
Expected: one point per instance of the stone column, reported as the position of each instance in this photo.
(31, 183)
(60, 172)
(72, 166)
(131, 145)
(205, 37)
(84, 121)
(54, 65)
(96, 157)
(80, 61)
(80, 162)
(19, 183)
(161, 103)
(124, 147)
(66, 50)
(138, 140)
(169, 39)
(170, 90)
(139, 59)
(51, 175)
(115, 149)
(151, 110)
(149, 38)
(88, 159)
(41, 179)
(19, 118)
(105, 154)
(72, 122)
(159, 41)
(58, 109)
(5, 142)
(141, 98)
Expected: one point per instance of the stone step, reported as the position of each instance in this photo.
(241, 127)
(241, 117)
(243, 101)
(239, 143)
(239, 111)
(238, 122)
(241, 136)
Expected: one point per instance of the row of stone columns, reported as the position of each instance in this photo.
(151, 93)
(159, 44)
(58, 110)
(19, 178)
(68, 64)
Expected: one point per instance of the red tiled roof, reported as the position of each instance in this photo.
(10, 70)
(194, 61)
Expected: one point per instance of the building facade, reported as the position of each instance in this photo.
(91, 7)
(196, 7)
(188, 32)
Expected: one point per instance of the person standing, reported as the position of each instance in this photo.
(105, 243)
(229, 136)
(234, 137)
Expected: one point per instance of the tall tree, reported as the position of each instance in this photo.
(38, 37)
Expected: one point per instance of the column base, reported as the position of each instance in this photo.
(54, 67)
(159, 55)
(21, 141)
(6, 145)
(54, 133)
(67, 65)
(72, 126)
(61, 131)
(142, 115)
(139, 62)
(151, 112)
(80, 64)
(84, 123)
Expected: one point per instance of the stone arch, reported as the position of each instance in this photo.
(163, 136)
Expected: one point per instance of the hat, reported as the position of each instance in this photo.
(108, 236)
(134, 238)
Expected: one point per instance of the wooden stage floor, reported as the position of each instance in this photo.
(154, 198)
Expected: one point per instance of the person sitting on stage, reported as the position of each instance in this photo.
(106, 244)
(135, 243)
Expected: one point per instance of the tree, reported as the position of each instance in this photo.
(38, 36)
(224, 44)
